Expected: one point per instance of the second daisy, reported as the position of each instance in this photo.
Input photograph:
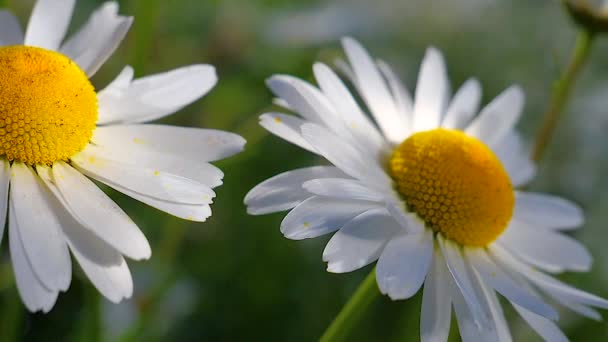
(428, 190)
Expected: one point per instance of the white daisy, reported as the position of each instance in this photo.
(55, 130)
(429, 194)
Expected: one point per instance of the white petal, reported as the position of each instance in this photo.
(547, 283)
(91, 46)
(547, 211)
(360, 242)
(317, 216)
(286, 127)
(515, 158)
(436, 313)
(198, 171)
(464, 105)
(39, 229)
(501, 325)
(190, 143)
(558, 252)
(403, 99)
(98, 213)
(48, 23)
(148, 182)
(340, 188)
(462, 280)
(409, 221)
(346, 157)
(404, 264)
(102, 264)
(5, 176)
(493, 275)
(34, 295)
(284, 191)
(580, 309)
(10, 29)
(498, 117)
(347, 108)
(122, 81)
(152, 97)
(544, 327)
(375, 92)
(431, 91)
(470, 329)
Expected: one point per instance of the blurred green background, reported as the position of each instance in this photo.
(235, 277)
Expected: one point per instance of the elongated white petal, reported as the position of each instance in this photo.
(97, 212)
(39, 229)
(284, 191)
(431, 91)
(346, 157)
(5, 176)
(580, 309)
(286, 127)
(469, 328)
(547, 211)
(103, 265)
(347, 108)
(198, 171)
(544, 327)
(292, 91)
(48, 23)
(457, 267)
(360, 241)
(342, 188)
(10, 29)
(436, 312)
(98, 38)
(122, 81)
(558, 252)
(464, 105)
(409, 221)
(498, 117)
(35, 296)
(375, 92)
(403, 99)
(494, 276)
(155, 96)
(404, 264)
(318, 216)
(547, 283)
(149, 182)
(515, 158)
(189, 143)
(502, 328)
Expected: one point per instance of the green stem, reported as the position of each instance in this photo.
(561, 92)
(353, 311)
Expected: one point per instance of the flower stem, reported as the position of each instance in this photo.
(561, 92)
(353, 310)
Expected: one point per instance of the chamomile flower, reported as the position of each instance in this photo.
(428, 190)
(56, 130)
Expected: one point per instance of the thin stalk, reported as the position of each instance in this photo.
(353, 311)
(561, 92)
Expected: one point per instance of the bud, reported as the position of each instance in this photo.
(593, 18)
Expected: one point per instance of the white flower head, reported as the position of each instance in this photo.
(56, 130)
(426, 189)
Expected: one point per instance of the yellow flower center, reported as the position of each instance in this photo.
(454, 183)
(48, 107)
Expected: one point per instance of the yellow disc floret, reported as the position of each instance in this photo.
(455, 184)
(48, 107)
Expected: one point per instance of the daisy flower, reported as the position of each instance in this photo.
(428, 190)
(56, 131)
